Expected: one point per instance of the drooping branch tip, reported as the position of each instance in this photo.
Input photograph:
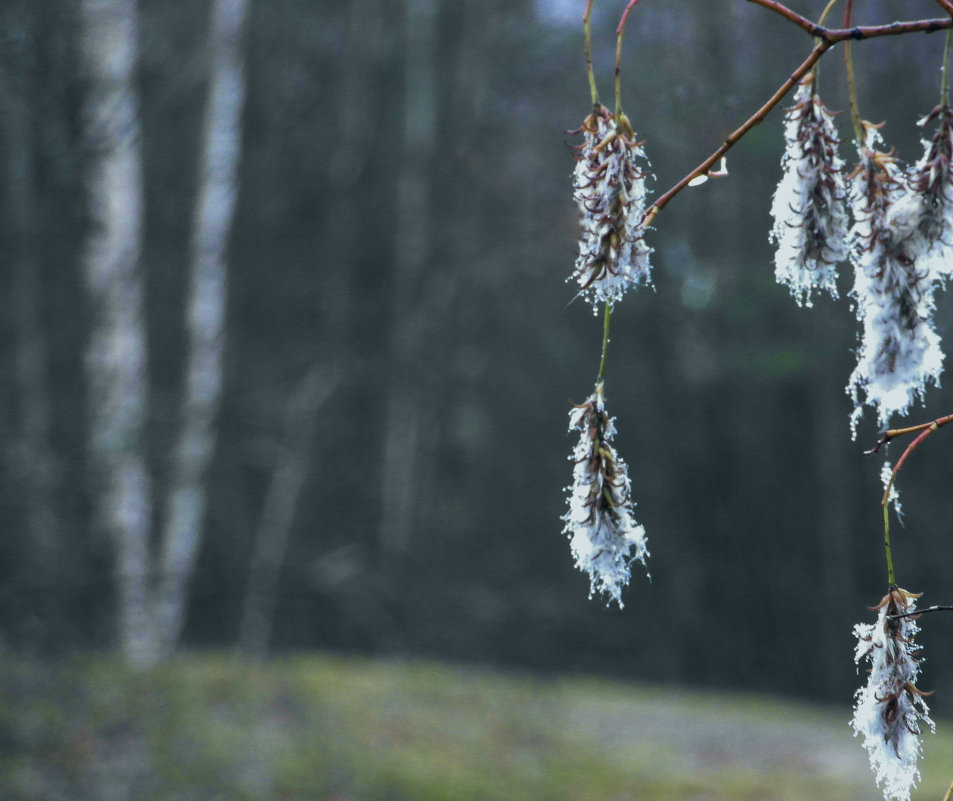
(893, 433)
(625, 15)
(585, 17)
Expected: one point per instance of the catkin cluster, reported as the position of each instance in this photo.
(899, 243)
(810, 204)
(889, 711)
(603, 534)
(894, 226)
(609, 189)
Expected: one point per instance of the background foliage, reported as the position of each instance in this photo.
(319, 727)
(762, 516)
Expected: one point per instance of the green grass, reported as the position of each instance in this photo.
(317, 728)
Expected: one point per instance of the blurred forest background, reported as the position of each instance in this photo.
(387, 447)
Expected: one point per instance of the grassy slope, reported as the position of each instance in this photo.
(319, 728)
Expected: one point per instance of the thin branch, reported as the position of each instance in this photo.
(811, 27)
(893, 433)
(618, 56)
(820, 21)
(949, 793)
(834, 35)
(703, 168)
(827, 37)
(947, 6)
(855, 121)
(891, 29)
(925, 432)
(827, 10)
(888, 552)
(587, 28)
(606, 319)
(945, 81)
(918, 612)
(624, 17)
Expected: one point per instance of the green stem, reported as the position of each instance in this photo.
(593, 91)
(820, 21)
(607, 316)
(945, 83)
(891, 582)
(618, 56)
(827, 10)
(925, 431)
(851, 84)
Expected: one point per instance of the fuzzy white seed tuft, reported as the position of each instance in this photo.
(809, 208)
(603, 535)
(889, 711)
(609, 188)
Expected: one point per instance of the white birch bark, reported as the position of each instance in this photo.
(116, 355)
(402, 426)
(205, 318)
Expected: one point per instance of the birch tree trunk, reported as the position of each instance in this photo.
(205, 318)
(116, 355)
(281, 501)
(404, 394)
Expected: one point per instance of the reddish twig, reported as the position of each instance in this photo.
(863, 32)
(891, 29)
(625, 14)
(585, 17)
(734, 136)
(591, 76)
(618, 56)
(828, 37)
(893, 433)
(811, 27)
(925, 432)
(947, 6)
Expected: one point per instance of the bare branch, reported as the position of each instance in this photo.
(925, 431)
(919, 612)
(754, 119)
(811, 27)
(827, 37)
(891, 29)
(893, 433)
(834, 35)
(947, 6)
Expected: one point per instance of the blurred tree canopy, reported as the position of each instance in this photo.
(403, 231)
